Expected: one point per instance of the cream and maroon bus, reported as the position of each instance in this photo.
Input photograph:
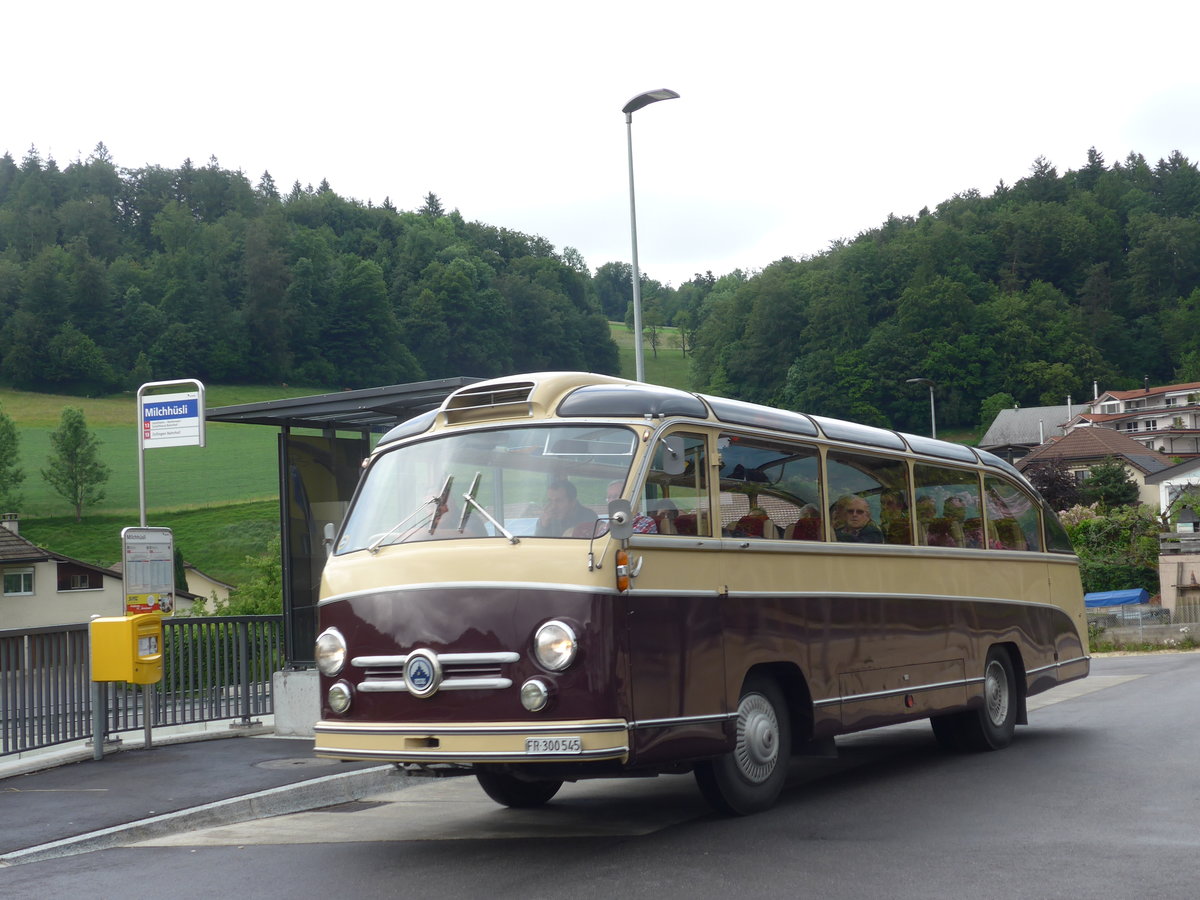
(564, 575)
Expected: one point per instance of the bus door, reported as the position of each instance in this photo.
(676, 651)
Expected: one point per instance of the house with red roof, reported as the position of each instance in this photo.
(1083, 448)
(1164, 418)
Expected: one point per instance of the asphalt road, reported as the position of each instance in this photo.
(1098, 797)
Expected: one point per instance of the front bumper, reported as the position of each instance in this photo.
(470, 743)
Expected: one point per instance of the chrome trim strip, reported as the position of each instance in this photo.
(779, 545)
(496, 756)
(911, 689)
(435, 728)
(599, 588)
(680, 720)
(399, 685)
(446, 659)
(850, 595)
(1058, 665)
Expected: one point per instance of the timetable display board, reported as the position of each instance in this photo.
(149, 569)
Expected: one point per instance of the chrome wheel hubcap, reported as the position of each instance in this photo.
(995, 693)
(757, 750)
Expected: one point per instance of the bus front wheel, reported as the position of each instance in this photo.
(510, 791)
(990, 727)
(749, 779)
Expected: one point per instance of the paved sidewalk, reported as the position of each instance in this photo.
(136, 794)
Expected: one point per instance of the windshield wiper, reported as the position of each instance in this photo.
(471, 502)
(438, 511)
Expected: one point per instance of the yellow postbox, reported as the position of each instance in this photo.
(127, 648)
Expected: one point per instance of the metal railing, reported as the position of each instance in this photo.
(213, 668)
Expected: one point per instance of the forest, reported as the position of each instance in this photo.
(110, 277)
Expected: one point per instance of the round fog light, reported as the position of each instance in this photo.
(339, 697)
(534, 694)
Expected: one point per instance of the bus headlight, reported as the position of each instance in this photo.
(330, 654)
(555, 645)
(535, 695)
(339, 697)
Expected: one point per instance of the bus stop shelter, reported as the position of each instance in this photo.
(323, 440)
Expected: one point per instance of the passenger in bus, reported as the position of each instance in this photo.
(642, 524)
(664, 512)
(807, 526)
(756, 523)
(854, 514)
(894, 518)
(926, 513)
(562, 513)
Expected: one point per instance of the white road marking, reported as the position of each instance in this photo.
(1073, 689)
(457, 809)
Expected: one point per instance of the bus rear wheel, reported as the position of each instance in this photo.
(508, 790)
(749, 778)
(990, 727)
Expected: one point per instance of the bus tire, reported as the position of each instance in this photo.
(749, 778)
(990, 727)
(508, 790)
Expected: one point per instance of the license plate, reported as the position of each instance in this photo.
(541, 745)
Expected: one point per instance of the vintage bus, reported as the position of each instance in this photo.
(562, 576)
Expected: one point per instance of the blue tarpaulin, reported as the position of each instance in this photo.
(1116, 598)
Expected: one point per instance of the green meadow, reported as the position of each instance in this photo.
(667, 367)
(221, 499)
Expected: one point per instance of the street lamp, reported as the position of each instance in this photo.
(644, 99)
(932, 414)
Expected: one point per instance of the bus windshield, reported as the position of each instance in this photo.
(543, 481)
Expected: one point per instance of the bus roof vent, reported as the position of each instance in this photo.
(493, 400)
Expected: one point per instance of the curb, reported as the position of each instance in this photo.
(329, 790)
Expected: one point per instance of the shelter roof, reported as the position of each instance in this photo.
(365, 410)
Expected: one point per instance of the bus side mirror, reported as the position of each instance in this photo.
(620, 519)
(673, 459)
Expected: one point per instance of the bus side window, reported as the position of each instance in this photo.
(882, 482)
(1012, 516)
(769, 489)
(949, 513)
(676, 493)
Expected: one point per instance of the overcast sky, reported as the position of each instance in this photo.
(798, 124)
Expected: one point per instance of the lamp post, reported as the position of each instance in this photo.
(643, 99)
(932, 414)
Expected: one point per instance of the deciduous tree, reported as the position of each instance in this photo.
(10, 473)
(75, 470)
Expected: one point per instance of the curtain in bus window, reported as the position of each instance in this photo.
(949, 512)
(770, 489)
(676, 501)
(870, 498)
(1012, 516)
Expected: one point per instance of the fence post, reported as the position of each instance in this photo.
(97, 720)
(244, 662)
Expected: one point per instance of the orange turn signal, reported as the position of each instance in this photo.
(623, 570)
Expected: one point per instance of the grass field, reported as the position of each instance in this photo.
(215, 539)
(238, 462)
(221, 500)
(667, 367)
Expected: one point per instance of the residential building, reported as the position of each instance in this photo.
(1014, 432)
(1165, 418)
(43, 588)
(1083, 448)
